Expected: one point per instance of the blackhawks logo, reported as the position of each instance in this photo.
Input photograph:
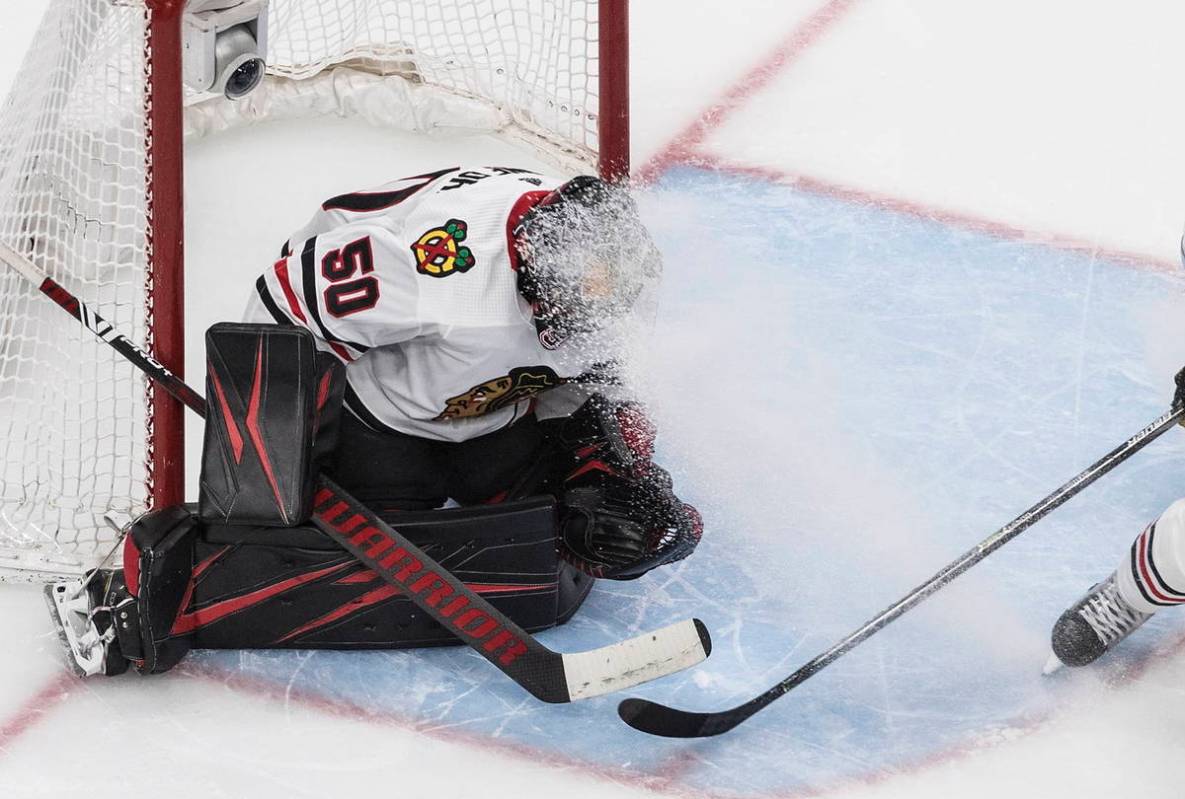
(439, 252)
(501, 392)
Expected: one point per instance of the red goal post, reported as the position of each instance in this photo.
(92, 144)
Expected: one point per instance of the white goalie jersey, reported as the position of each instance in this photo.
(414, 286)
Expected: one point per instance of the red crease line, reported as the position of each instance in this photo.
(956, 219)
(35, 709)
(683, 147)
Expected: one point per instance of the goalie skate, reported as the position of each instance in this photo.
(85, 624)
(1092, 625)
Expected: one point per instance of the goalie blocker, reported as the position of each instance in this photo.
(243, 569)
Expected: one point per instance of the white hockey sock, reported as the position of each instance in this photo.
(1152, 575)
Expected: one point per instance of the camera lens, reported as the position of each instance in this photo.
(238, 64)
(245, 78)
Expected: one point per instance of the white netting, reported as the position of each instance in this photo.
(532, 62)
(73, 424)
(72, 201)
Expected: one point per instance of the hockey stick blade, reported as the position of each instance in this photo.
(547, 675)
(668, 722)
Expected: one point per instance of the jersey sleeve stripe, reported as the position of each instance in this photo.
(341, 351)
(281, 318)
(365, 202)
(286, 286)
(309, 284)
(265, 297)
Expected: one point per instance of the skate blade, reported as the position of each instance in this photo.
(85, 661)
(54, 613)
(1052, 665)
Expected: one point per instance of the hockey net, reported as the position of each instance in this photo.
(82, 435)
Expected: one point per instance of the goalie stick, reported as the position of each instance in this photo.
(549, 676)
(656, 719)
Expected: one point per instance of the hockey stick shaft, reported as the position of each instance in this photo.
(660, 720)
(103, 330)
(547, 675)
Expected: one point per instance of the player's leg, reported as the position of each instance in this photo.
(386, 470)
(484, 469)
(1151, 576)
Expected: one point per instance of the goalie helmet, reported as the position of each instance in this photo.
(586, 256)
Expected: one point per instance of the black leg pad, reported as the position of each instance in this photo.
(158, 567)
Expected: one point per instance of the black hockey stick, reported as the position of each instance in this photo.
(657, 719)
(547, 675)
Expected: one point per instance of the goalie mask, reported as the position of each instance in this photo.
(586, 256)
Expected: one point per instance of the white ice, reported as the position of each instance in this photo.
(891, 321)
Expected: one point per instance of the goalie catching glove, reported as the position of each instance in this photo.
(619, 517)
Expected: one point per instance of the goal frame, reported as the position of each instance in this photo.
(166, 207)
(166, 112)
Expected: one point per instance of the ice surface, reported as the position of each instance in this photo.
(853, 397)
(1058, 123)
(880, 395)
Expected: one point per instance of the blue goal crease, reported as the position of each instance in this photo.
(876, 394)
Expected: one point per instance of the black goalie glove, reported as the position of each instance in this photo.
(619, 517)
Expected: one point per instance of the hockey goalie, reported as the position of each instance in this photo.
(439, 347)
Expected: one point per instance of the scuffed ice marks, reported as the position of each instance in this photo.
(852, 398)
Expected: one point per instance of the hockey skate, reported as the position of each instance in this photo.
(1092, 625)
(86, 623)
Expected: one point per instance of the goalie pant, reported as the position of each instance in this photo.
(1152, 574)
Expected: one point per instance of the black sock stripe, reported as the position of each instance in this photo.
(1161, 584)
(1135, 559)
